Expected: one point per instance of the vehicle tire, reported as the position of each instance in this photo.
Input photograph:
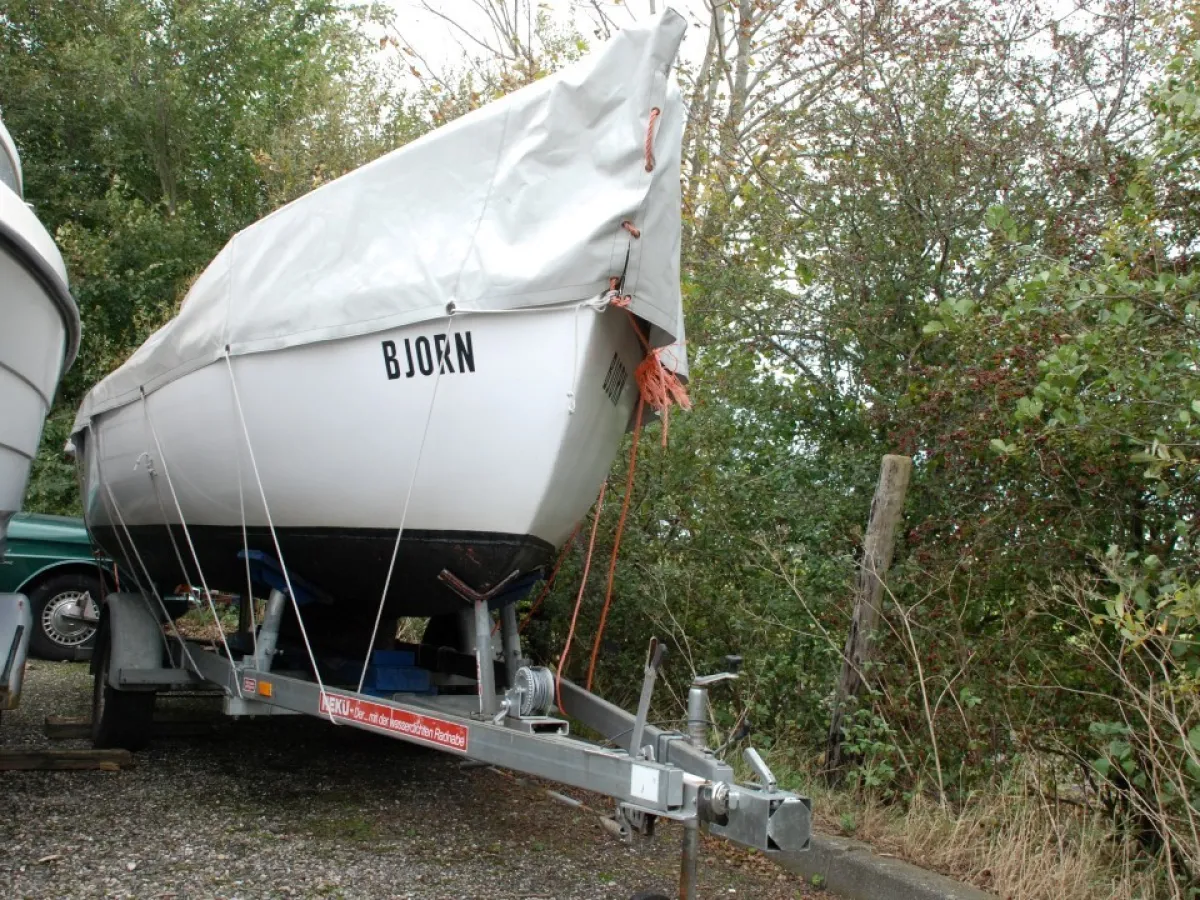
(53, 636)
(651, 896)
(120, 719)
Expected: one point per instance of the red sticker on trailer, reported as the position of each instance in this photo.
(414, 726)
(249, 685)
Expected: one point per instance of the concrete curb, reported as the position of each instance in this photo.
(854, 870)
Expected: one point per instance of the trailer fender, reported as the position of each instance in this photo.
(134, 635)
(16, 623)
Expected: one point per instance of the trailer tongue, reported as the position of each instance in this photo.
(507, 719)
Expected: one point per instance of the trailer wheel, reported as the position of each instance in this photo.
(650, 896)
(120, 719)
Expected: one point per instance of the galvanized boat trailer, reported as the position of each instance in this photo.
(507, 719)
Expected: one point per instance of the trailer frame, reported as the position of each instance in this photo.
(649, 773)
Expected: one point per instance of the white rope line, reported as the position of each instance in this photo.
(212, 607)
(132, 570)
(387, 581)
(599, 303)
(116, 507)
(162, 510)
(249, 598)
(237, 399)
(161, 604)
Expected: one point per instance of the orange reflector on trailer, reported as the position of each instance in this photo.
(264, 688)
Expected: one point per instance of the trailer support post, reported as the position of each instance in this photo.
(511, 639)
(483, 659)
(270, 630)
(697, 726)
(689, 867)
(697, 716)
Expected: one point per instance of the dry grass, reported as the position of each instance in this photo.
(198, 625)
(1014, 845)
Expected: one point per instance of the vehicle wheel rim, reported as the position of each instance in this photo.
(60, 629)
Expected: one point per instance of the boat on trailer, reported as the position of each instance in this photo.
(39, 337)
(415, 378)
(396, 397)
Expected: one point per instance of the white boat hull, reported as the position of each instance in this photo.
(492, 244)
(39, 332)
(500, 467)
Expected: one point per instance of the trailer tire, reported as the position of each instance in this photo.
(650, 896)
(120, 719)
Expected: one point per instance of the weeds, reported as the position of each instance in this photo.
(1011, 841)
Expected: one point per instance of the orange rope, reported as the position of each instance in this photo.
(587, 565)
(660, 387)
(612, 562)
(537, 604)
(655, 112)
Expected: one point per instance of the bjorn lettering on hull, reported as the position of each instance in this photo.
(460, 353)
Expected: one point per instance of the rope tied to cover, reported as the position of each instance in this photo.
(655, 112)
(587, 565)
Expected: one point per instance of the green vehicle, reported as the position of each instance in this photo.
(51, 560)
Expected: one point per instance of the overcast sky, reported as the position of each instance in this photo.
(441, 43)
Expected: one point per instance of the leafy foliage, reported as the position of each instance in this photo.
(151, 132)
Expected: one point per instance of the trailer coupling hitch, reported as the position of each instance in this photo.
(773, 821)
(768, 820)
(763, 816)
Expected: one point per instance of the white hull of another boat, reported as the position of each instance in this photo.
(39, 334)
(504, 451)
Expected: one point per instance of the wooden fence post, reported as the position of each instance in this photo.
(878, 546)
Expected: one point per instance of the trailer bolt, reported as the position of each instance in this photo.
(720, 799)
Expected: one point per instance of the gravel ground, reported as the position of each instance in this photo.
(294, 807)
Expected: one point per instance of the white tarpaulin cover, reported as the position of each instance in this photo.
(519, 204)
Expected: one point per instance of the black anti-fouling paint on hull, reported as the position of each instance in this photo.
(349, 564)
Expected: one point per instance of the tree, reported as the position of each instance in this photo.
(151, 132)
